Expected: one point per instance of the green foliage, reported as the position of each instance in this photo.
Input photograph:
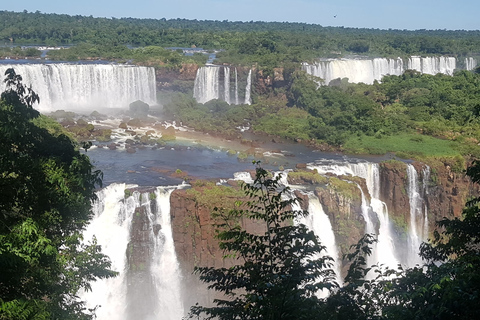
(207, 193)
(405, 145)
(300, 177)
(47, 188)
(279, 271)
(345, 188)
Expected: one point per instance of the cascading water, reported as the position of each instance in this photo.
(470, 63)
(418, 217)
(425, 181)
(81, 86)
(384, 251)
(226, 84)
(356, 70)
(248, 88)
(136, 234)
(236, 87)
(165, 267)
(207, 85)
(111, 227)
(319, 223)
(369, 70)
(432, 65)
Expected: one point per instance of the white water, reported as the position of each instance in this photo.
(207, 85)
(470, 63)
(135, 294)
(369, 70)
(226, 84)
(86, 86)
(165, 267)
(425, 181)
(111, 226)
(418, 217)
(432, 65)
(384, 250)
(236, 87)
(319, 223)
(248, 88)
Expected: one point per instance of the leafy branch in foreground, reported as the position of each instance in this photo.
(279, 271)
(47, 187)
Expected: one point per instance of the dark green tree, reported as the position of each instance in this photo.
(47, 187)
(279, 272)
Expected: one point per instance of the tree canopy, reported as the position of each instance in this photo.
(279, 271)
(47, 187)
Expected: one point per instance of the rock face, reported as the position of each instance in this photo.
(447, 191)
(177, 80)
(345, 215)
(341, 198)
(139, 256)
(194, 232)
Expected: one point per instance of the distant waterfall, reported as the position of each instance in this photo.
(432, 65)
(236, 87)
(356, 71)
(146, 288)
(206, 86)
(248, 88)
(226, 84)
(213, 82)
(86, 86)
(369, 70)
(470, 63)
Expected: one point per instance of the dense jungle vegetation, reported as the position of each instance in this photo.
(414, 115)
(267, 44)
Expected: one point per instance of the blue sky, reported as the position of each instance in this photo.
(385, 14)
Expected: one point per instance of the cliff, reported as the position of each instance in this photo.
(445, 191)
(341, 199)
(181, 79)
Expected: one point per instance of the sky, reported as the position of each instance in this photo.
(381, 14)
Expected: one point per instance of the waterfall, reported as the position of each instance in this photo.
(319, 223)
(86, 86)
(432, 65)
(248, 88)
(206, 85)
(111, 226)
(470, 63)
(356, 70)
(416, 215)
(236, 87)
(136, 234)
(226, 83)
(384, 250)
(369, 70)
(425, 181)
(165, 267)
